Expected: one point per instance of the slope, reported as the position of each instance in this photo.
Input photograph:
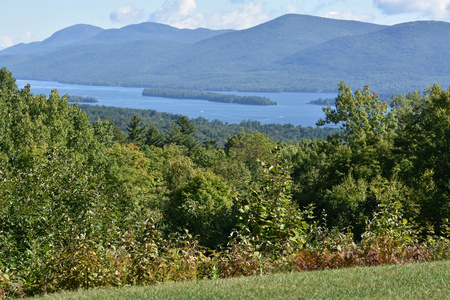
(259, 46)
(60, 39)
(154, 31)
(290, 53)
(400, 57)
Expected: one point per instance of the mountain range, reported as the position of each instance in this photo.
(290, 53)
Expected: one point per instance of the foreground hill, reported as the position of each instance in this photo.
(290, 53)
(414, 281)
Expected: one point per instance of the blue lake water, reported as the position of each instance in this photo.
(292, 107)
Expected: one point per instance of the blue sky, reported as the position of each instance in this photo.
(27, 21)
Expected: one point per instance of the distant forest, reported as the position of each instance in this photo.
(206, 130)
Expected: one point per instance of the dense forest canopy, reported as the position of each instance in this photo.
(205, 130)
(84, 205)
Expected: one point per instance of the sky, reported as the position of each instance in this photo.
(24, 21)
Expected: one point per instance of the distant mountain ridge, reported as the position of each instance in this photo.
(290, 53)
(65, 37)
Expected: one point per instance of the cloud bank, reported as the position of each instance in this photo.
(5, 42)
(431, 8)
(8, 41)
(184, 14)
(348, 16)
(126, 14)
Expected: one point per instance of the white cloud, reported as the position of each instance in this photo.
(178, 13)
(8, 41)
(5, 42)
(430, 8)
(184, 14)
(126, 14)
(249, 15)
(348, 16)
(291, 9)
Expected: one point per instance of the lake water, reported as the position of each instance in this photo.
(292, 107)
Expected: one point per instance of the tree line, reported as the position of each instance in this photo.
(205, 129)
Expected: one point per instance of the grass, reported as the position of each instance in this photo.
(409, 281)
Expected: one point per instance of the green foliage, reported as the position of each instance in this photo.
(269, 215)
(104, 132)
(80, 206)
(136, 130)
(250, 149)
(202, 204)
(182, 133)
(389, 223)
(423, 144)
(368, 128)
(153, 137)
(205, 130)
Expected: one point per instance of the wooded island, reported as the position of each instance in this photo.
(210, 96)
(81, 99)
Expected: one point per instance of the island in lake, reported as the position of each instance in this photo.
(80, 99)
(322, 101)
(209, 96)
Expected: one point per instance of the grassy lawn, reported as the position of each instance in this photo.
(412, 281)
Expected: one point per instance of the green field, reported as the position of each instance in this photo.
(410, 281)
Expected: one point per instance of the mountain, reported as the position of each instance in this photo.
(289, 53)
(154, 31)
(60, 39)
(254, 48)
(413, 54)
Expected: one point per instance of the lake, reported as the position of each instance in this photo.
(292, 107)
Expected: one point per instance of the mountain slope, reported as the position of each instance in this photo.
(258, 46)
(416, 52)
(108, 63)
(290, 53)
(154, 31)
(60, 39)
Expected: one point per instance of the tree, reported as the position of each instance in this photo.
(186, 126)
(423, 147)
(368, 128)
(269, 215)
(202, 204)
(250, 149)
(135, 130)
(7, 82)
(104, 131)
(154, 137)
(182, 133)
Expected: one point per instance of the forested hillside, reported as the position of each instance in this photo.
(205, 130)
(290, 53)
(84, 205)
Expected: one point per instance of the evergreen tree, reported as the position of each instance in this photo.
(135, 130)
(154, 137)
